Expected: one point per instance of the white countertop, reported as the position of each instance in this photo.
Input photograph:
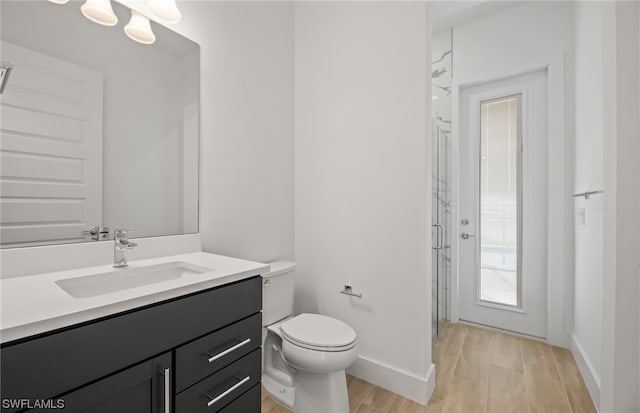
(36, 304)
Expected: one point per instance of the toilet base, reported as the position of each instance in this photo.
(282, 394)
(321, 393)
(314, 393)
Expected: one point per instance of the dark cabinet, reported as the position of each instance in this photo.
(248, 402)
(209, 354)
(146, 359)
(217, 390)
(143, 388)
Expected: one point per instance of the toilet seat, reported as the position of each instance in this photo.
(318, 332)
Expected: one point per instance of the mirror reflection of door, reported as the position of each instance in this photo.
(51, 152)
(147, 113)
(503, 202)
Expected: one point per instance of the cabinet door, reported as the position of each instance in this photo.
(143, 388)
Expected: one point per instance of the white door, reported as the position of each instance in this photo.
(503, 204)
(51, 149)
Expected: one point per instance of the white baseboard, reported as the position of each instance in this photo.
(591, 378)
(408, 385)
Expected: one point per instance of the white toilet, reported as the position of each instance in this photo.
(304, 357)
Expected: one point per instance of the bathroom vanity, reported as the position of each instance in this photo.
(186, 343)
(179, 333)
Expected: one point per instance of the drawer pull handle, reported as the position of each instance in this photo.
(167, 391)
(229, 390)
(229, 350)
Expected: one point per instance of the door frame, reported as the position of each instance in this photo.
(559, 265)
(530, 316)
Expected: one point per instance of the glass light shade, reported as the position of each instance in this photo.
(139, 29)
(59, 1)
(165, 11)
(99, 11)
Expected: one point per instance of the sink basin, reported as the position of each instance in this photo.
(127, 278)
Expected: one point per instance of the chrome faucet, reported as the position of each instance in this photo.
(120, 246)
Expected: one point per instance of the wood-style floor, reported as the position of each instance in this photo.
(482, 371)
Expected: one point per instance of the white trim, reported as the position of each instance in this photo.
(406, 384)
(559, 202)
(498, 306)
(507, 332)
(454, 291)
(591, 378)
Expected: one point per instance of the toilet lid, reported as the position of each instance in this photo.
(317, 330)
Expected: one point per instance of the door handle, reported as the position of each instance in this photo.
(466, 235)
(439, 236)
(435, 247)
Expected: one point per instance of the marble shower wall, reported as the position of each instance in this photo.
(441, 73)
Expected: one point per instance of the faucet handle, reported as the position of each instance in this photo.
(121, 233)
(104, 233)
(92, 231)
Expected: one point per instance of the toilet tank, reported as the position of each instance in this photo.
(277, 292)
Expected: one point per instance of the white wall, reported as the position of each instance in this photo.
(514, 41)
(606, 336)
(246, 127)
(361, 187)
(621, 167)
(589, 244)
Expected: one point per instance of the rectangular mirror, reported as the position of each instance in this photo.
(98, 131)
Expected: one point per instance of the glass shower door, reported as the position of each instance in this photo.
(440, 222)
(441, 75)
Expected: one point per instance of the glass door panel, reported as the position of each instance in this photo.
(500, 201)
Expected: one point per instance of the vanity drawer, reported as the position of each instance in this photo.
(217, 390)
(250, 402)
(209, 354)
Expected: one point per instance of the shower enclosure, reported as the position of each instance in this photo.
(440, 223)
(441, 173)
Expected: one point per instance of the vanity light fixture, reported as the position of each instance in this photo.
(99, 11)
(139, 29)
(165, 11)
(59, 1)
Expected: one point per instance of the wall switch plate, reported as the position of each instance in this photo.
(581, 217)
